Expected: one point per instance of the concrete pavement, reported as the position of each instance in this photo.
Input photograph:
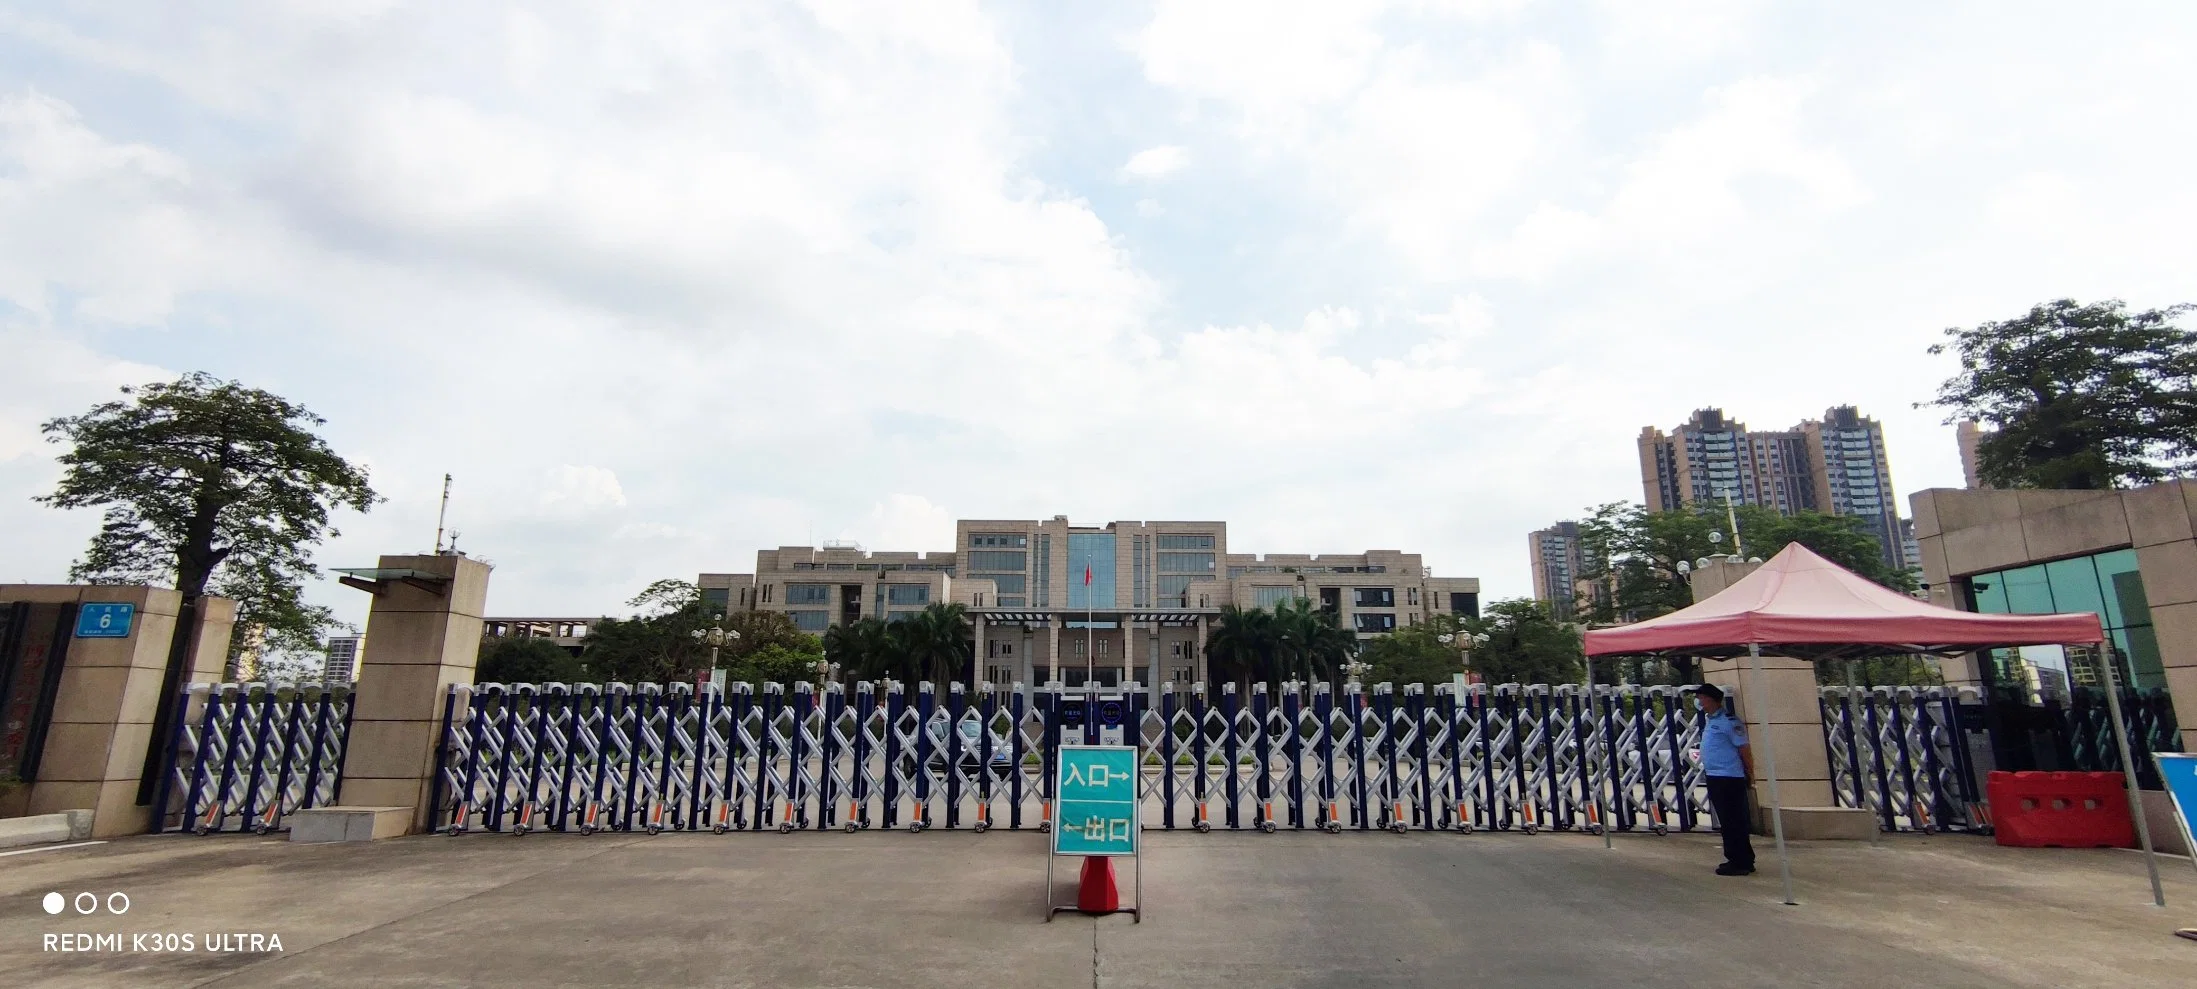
(961, 910)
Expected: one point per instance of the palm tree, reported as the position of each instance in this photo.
(937, 642)
(1312, 642)
(1243, 646)
(869, 649)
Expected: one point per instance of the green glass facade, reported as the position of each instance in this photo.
(2105, 584)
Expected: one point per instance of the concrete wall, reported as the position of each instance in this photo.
(1965, 532)
(109, 696)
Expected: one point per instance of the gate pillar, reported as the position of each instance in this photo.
(423, 634)
(1782, 707)
(95, 706)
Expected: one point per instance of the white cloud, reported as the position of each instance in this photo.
(664, 285)
(1156, 162)
(570, 489)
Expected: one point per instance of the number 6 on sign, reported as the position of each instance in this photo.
(104, 620)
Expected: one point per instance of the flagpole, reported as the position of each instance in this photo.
(1090, 618)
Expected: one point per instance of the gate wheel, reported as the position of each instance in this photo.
(1266, 827)
(1595, 830)
(1397, 827)
(981, 826)
(1464, 827)
(851, 827)
(1530, 829)
(1046, 827)
(1203, 828)
(718, 829)
(1661, 829)
(915, 827)
(1332, 827)
(655, 829)
(785, 827)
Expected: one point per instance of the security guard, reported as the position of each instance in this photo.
(1730, 768)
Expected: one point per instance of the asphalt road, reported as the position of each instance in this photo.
(962, 910)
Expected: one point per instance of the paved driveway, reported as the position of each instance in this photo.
(964, 911)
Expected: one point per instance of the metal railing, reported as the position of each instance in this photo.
(243, 757)
(618, 757)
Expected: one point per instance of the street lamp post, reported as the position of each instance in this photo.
(716, 637)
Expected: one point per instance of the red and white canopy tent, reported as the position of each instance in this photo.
(1801, 605)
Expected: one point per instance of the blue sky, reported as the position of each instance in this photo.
(665, 284)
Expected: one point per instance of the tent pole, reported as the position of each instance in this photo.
(1769, 762)
(2128, 768)
(1609, 765)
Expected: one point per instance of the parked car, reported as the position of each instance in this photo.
(972, 734)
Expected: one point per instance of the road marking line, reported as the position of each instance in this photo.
(51, 848)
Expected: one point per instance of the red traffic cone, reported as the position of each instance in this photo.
(1097, 892)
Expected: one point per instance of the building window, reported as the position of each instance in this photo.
(810, 621)
(716, 599)
(1268, 597)
(907, 594)
(1411, 595)
(1179, 540)
(2107, 585)
(1186, 562)
(1011, 602)
(900, 616)
(1090, 553)
(1005, 583)
(1375, 622)
(1373, 597)
(808, 594)
(1183, 675)
(1044, 570)
(998, 539)
(1465, 603)
(1105, 646)
(1013, 562)
(1174, 590)
(999, 648)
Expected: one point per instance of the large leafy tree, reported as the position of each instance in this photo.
(2080, 395)
(527, 660)
(1633, 556)
(1416, 654)
(658, 643)
(213, 487)
(1525, 643)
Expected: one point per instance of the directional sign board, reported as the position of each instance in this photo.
(2179, 770)
(1098, 801)
(104, 621)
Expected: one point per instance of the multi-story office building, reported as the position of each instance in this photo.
(342, 663)
(1835, 465)
(1124, 601)
(1557, 565)
(1853, 476)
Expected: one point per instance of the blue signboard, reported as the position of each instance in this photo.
(1098, 801)
(104, 621)
(2179, 769)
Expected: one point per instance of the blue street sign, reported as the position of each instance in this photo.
(2179, 769)
(1098, 801)
(104, 621)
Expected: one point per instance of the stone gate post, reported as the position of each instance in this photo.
(423, 634)
(1781, 709)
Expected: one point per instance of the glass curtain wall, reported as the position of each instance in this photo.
(2105, 584)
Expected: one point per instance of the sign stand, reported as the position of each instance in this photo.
(1095, 817)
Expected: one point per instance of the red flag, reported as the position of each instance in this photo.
(1086, 575)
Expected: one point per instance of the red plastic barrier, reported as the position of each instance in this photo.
(2060, 810)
